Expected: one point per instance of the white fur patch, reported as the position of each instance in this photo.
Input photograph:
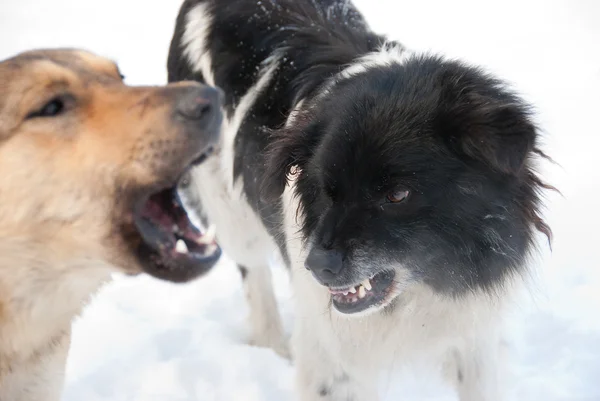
(194, 41)
(387, 55)
(294, 114)
(232, 125)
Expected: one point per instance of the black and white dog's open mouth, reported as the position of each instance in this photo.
(373, 292)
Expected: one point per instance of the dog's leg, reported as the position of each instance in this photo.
(265, 322)
(475, 371)
(322, 377)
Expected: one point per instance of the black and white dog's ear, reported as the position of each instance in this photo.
(501, 136)
(492, 126)
(290, 149)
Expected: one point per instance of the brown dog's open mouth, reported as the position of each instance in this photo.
(164, 223)
(173, 247)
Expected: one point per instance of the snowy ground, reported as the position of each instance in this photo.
(144, 340)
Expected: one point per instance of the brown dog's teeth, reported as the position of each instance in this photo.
(210, 249)
(181, 247)
(209, 237)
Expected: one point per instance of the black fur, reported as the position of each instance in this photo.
(456, 138)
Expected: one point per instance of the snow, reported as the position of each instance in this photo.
(144, 340)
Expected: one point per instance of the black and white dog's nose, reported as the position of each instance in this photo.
(325, 264)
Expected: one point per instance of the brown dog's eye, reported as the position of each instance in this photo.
(397, 196)
(50, 109)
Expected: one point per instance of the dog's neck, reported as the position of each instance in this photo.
(41, 293)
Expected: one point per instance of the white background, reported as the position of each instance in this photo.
(143, 340)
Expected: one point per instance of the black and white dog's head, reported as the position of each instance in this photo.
(410, 169)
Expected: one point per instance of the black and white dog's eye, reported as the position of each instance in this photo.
(397, 196)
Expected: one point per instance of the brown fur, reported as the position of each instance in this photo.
(67, 188)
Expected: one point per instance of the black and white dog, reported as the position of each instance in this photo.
(398, 187)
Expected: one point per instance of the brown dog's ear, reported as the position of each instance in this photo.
(289, 151)
(494, 128)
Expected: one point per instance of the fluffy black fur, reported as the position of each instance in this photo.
(456, 138)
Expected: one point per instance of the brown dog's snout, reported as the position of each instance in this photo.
(200, 104)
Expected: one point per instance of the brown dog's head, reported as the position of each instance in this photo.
(89, 166)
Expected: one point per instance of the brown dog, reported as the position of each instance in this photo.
(88, 170)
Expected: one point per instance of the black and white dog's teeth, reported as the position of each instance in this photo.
(361, 290)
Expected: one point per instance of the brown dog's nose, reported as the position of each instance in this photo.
(200, 104)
